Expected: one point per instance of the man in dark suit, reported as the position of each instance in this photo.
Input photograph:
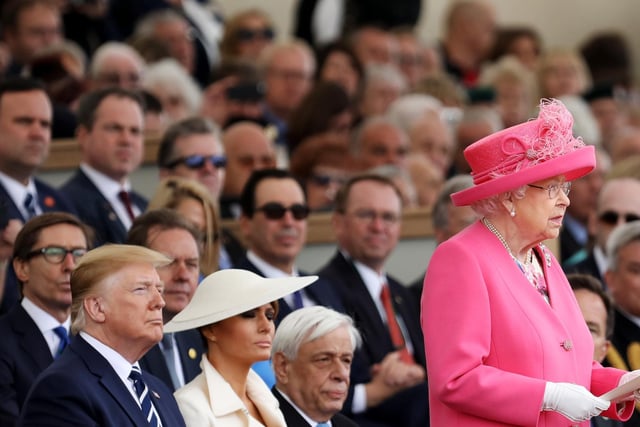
(25, 138)
(35, 331)
(274, 223)
(116, 313)
(388, 381)
(175, 360)
(110, 134)
(312, 354)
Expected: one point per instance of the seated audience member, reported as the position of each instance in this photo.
(338, 63)
(382, 85)
(609, 106)
(312, 353)
(27, 27)
(388, 380)
(178, 93)
(156, 120)
(431, 137)
(110, 131)
(192, 201)
(116, 64)
(192, 148)
(25, 126)
(287, 70)
(401, 179)
(625, 143)
(176, 359)
(379, 141)
(608, 56)
(36, 331)
(427, 180)
(325, 109)
(248, 147)
(374, 45)
(523, 43)
(618, 203)
(322, 164)
(234, 310)
(410, 56)
(246, 34)
(116, 315)
(562, 72)
(445, 89)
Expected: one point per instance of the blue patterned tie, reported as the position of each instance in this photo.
(297, 300)
(62, 333)
(30, 206)
(322, 425)
(148, 410)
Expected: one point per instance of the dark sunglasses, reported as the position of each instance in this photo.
(611, 217)
(57, 254)
(322, 180)
(197, 161)
(247, 34)
(274, 210)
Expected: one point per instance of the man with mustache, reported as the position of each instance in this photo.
(36, 330)
(312, 354)
(110, 135)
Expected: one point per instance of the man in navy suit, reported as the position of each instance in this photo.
(116, 313)
(110, 134)
(312, 354)
(25, 138)
(274, 223)
(388, 381)
(45, 253)
(175, 360)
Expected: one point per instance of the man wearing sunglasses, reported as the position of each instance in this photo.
(618, 203)
(35, 331)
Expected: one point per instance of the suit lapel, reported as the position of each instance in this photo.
(32, 342)
(190, 349)
(8, 209)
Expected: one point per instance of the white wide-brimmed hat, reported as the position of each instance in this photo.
(227, 293)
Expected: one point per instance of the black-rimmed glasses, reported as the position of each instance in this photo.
(57, 254)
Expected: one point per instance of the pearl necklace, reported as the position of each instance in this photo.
(531, 270)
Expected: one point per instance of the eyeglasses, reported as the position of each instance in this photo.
(612, 217)
(248, 34)
(274, 210)
(57, 254)
(324, 180)
(554, 189)
(368, 215)
(198, 161)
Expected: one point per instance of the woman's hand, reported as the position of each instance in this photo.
(628, 377)
(573, 401)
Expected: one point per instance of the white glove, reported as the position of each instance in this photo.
(628, 377)
(573, 401)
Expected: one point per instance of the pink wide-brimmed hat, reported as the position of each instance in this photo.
(538, 149)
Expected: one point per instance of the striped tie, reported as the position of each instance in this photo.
(143, 396)
(30, 205)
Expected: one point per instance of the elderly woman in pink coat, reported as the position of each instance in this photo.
(505, 340)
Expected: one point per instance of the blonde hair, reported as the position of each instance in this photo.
(99, 264)
(171, 192)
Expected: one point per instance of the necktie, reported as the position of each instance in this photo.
(126, 201)
(30, 206)
(297, 300)
(392, 323)
(142, 391)
(169, 357)
(322, 425)
(62, 333)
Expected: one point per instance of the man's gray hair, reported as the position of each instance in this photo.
(308, 324)
(620, 237)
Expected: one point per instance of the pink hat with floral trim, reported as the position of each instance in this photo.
(538, 149)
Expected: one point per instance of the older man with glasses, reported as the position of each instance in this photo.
(35, 331)
(618, 203)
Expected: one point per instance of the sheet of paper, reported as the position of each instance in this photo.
(622, 392)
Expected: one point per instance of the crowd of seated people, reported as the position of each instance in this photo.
(262, 129)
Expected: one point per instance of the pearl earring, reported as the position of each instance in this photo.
(513, 212)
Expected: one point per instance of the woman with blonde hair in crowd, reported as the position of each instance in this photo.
(246, 34)
(192, 200)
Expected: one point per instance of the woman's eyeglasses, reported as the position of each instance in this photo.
(57, 254)
(249, 34)
(274, 210)
(198, 161)
(612, 217)
(554, 189)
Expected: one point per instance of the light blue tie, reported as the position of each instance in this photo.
(142, 391)
(62, 333)
(322, 425)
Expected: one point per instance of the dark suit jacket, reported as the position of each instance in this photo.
(80, 388)
(190, 349)
(24, 353)
(409, 407)
(49, 200)
(319, 292)
(294, 419)
(96, 211)
(586, 266)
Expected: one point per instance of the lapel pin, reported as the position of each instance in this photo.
(192, 353)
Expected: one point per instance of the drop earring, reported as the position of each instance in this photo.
(513, 212)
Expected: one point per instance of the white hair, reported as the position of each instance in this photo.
(308, 324)
(168, 73)
(110, 49)
(408, 109)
